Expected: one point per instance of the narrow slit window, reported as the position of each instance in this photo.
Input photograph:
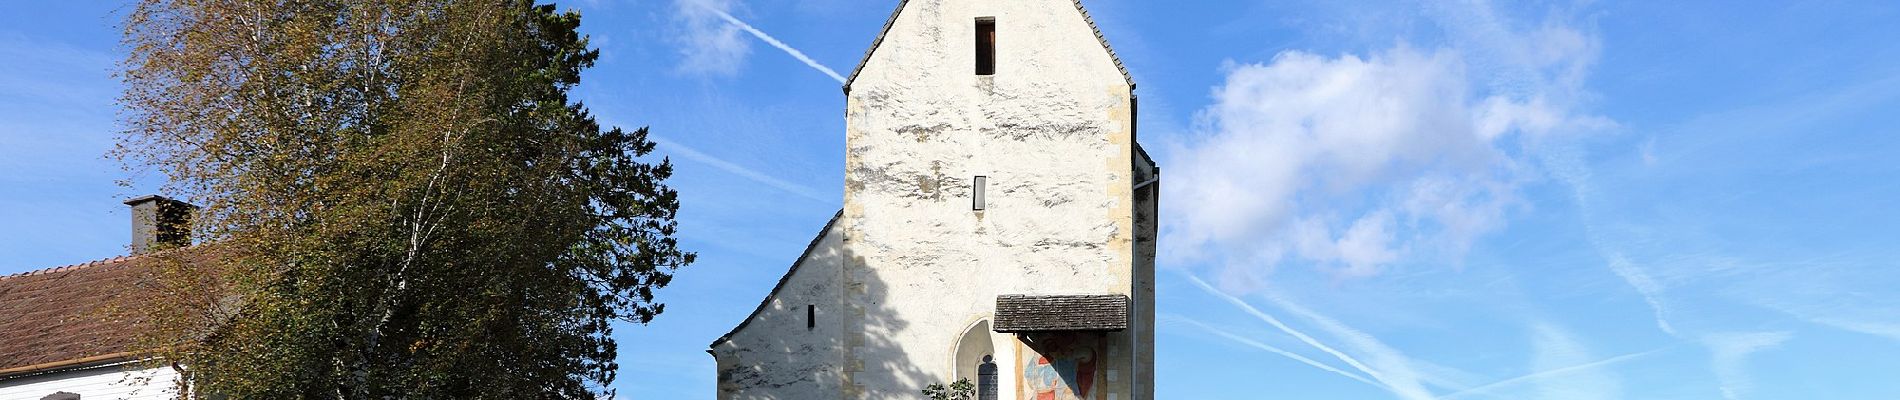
(976, 192)
(986, 46)
(811, 316)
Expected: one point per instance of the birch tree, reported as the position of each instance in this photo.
(399, 199)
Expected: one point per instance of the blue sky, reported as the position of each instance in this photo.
(1365, 200)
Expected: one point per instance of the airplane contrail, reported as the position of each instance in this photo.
(1303, 337)
(748, 173)
(1550, 373)
(1275, 350)
(776, 43)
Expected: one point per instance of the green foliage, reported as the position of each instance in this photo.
(962, 389)
(400, 199)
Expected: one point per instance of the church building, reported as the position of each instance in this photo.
(998, 223)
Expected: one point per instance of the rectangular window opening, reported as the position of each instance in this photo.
(986, 46)
(976, 192)
(811, 316)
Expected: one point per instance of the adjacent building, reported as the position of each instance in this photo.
(59, 336)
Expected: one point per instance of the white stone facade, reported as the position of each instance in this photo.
(905, 291)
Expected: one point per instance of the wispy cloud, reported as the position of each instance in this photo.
(1399, 370)
(1493, 387)
(1888, 329)
(1395, 373)
(58, 105)
(713, 43)
(1838, 290)
(1565, 163)
(1730, 352)
(1651, 291)
(675, 148)
(1676, 284)
(1557, 349)
(61, 75)
(1276, 350)
(708, 44)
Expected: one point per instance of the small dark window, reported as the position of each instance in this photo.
(986, 46)
(811, 316)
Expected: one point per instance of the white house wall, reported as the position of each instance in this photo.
(99, 383)
(1053, 132)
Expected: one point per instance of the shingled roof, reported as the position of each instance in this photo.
(1016, 313)
(57, 318)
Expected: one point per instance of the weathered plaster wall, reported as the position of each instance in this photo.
(1053, 132)
(774, 354)
(107, 382)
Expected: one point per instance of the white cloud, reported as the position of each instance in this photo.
(1343, 162)
(1730, 352)
(1355, 163)
(708, 44)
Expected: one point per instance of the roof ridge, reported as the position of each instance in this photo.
(875, 43)
(91, 264)
(1099, 37)
(892, 21)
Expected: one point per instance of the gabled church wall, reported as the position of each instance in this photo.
(1052, 132)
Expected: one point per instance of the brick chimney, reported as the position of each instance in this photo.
(158, 222)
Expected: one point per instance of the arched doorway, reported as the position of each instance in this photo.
(976, 360)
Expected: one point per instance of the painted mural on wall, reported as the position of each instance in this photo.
(1060, 367)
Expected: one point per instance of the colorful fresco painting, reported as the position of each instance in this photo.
(1060, 367)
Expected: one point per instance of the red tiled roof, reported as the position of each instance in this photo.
(63, 314)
